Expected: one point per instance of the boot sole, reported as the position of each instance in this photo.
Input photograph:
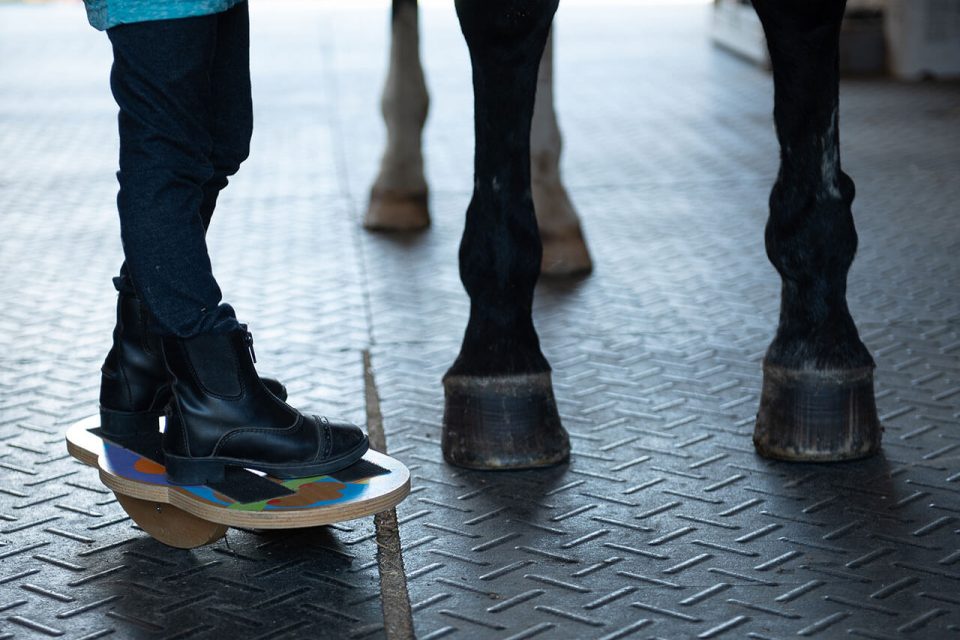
(184, 470)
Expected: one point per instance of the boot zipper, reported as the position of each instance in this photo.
(248, 340)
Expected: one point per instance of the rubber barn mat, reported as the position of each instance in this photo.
(665, 524)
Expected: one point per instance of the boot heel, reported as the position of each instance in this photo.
(123, 424)
(190, 471)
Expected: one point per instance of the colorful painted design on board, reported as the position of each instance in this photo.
(128, 464)
(316, 491)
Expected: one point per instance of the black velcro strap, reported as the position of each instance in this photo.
(148, 446)
(245, 486)
(359, 470)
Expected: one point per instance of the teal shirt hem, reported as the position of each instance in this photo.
(104, 14)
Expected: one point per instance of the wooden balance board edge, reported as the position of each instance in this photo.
(376, 483)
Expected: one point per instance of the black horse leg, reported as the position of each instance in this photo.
(500, 411)
(817, 402)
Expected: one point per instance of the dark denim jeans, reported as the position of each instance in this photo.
(183, 88)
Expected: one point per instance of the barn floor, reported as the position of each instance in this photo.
(665, 524)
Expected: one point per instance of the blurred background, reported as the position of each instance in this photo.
(907, 39)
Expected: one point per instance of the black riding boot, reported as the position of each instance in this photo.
(134, 384)
(222, 415)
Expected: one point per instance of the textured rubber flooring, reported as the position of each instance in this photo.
(665, 524)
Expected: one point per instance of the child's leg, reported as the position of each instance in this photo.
(161, 81)
(184, 96)
(134, 387)
(230, 116)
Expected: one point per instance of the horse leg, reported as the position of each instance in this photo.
(398, 198)
(817, 402)
(500, 410)
(564, 250)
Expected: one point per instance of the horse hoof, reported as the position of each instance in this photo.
(502, 422)
(565, 254)
(817, 416)
(392, 210)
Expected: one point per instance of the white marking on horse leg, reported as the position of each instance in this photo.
(398, 199)
(564, 250)
(830, 158)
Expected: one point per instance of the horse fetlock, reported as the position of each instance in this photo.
(811, 243)
(565, 251)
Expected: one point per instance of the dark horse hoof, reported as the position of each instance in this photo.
(502, 422)
(817, 416)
